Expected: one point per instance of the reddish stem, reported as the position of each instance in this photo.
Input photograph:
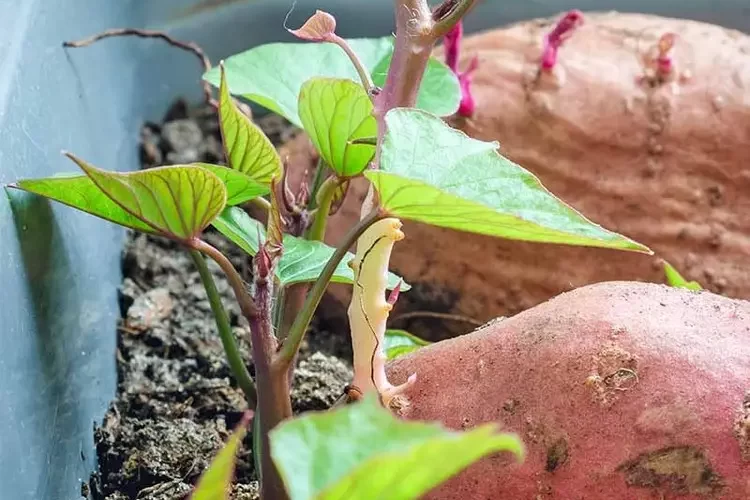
(452, 43)
(554, 39)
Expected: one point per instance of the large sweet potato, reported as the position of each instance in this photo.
(665, 165)
(621, 391)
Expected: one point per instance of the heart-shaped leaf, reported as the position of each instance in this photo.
(363, 451)
(272, 75)
(240, 187)
(216, 482)
(177, 201)
(438, 175)
(302, 261)
(439, 92)
(334, 112)
(248, 149)
(400, 342)
(79, 191)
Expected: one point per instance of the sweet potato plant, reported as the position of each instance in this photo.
(374, 110)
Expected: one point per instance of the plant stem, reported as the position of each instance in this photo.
(294, 300)
(234, 358)
(289, 349)
(325, 198)
(261, 203)
(364, 75)
(411, 52)
(247, 305)
(320, 175)
(274, 402)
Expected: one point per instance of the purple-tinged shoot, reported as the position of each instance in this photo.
(452, 42)
(664, 62)
(553, 40)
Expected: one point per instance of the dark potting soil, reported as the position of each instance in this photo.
(176, 401)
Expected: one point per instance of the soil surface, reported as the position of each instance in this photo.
(176, 402)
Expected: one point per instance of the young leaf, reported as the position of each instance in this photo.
(435, 174)
(318, 28)
(177, 201)
(248, 149)
(240, 187)
(363, 451)
(675, 279)
(302, 261)
(272, 75)
(400, 342)
(80, 192)
(439, 92)
(216, 482)
(334, 112)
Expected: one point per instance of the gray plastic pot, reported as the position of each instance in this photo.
(60, 268)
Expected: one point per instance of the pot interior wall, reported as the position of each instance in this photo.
(60, 268)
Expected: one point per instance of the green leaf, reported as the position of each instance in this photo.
(439, 92)
(363, 451)
(80, 192)
(675, 279)
(302, 261)
(248, 149)
(438, 175)
(334, 112)
(216, 482)
(240, 187)
(272, 75)
(400, 342)
(178, 201)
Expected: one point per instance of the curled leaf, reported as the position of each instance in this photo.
(318, 28)
(335, 112)
(247, 148)
(177, 201)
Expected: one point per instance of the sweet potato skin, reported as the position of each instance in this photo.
(665, 166)
(620, 391)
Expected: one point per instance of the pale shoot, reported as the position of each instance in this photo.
(369, 310)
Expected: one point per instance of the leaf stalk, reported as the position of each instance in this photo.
(232, 351)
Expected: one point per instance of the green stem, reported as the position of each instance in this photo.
(247, 305)
(291, 345)
(261, 202)
(320, 175)
(364, 75)
(325, 199)
(234, 358)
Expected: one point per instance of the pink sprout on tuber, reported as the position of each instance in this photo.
(452, 42)
(554, 39)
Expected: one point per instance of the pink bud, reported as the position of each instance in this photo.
(393, 296)
(555, 38)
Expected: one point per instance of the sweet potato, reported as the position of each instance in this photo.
(665, 165)
(620, 391)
